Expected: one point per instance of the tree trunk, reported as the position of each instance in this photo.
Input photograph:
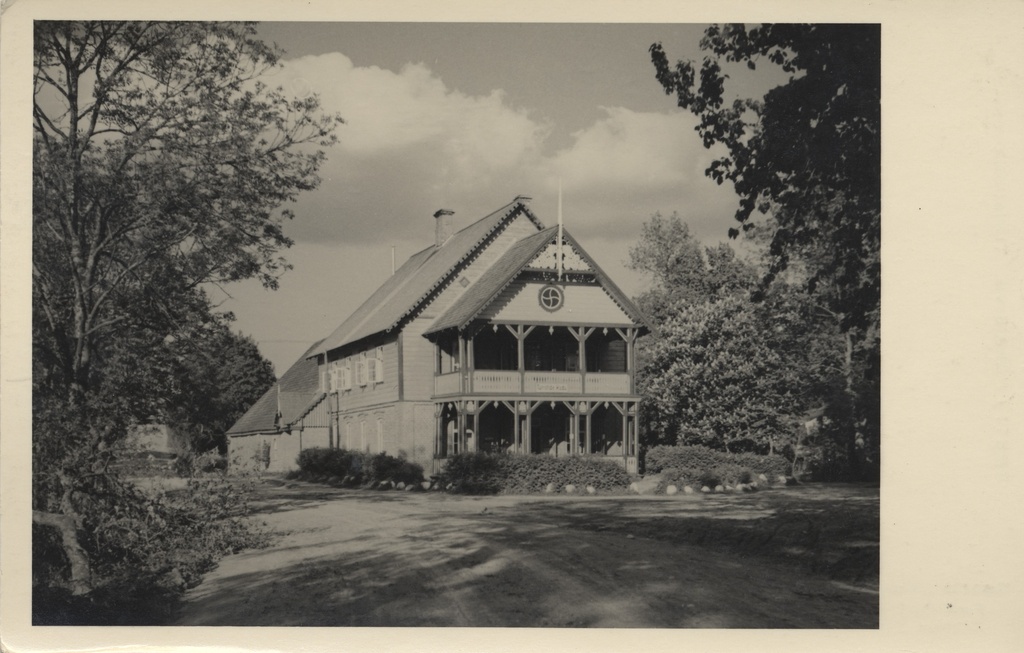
(851, 394)
(81, 574)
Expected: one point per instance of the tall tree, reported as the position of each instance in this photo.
(807, 157)
(808, 153)
(160, 162)
(682, 271)
(158, 156)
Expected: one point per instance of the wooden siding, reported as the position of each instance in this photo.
(417, 351)
(372, 393)
(583, 305)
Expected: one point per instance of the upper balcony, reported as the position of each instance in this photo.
(502, 382)
(535, 360)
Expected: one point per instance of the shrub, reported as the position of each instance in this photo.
(473, 473)
(480, 473)
(323, 465)
(730, 467)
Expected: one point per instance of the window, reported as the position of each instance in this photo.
(361, 370)
(380, 435)
(363, 445)
(348, 435)
(346, 377)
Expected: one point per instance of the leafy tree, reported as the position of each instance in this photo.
(158, 156)
(807, 157)
(682, 270)
(160, 163)
(808, 153)
(734, 375)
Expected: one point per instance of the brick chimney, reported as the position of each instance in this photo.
(443, 226)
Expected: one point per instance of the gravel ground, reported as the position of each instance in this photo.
(803, 557)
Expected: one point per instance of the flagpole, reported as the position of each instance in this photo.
(559, 228)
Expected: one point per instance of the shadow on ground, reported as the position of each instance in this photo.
(768, 560)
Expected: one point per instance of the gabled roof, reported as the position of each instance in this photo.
(507, 268)
(492, 282)
(412, 284)
(297, 391)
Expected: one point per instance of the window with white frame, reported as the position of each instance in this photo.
(334, 378)
(378, 361)
(361, 372)
(346, 376)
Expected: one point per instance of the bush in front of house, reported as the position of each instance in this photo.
(325, 464)
(699, 465)
(482, 473)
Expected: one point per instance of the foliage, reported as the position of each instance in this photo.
(141, 540)
(731, 375)
(160, 163)
(693, 462)
(807, 157)
(357, 467)
(682, 271)
(484, 473)
(808, 153)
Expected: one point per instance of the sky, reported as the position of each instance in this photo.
(466, 116)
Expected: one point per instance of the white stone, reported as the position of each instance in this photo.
(705, 489)
(425, 485)
(670, 490)
(549, 488)
(781, 479)
(762, 478)
(719, 488)
(687, 489)
(570, 489)
(591, 489)
(401, 485)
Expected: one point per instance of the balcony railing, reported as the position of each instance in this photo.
(607, 384)
(513, 382)
(553, 382)
(496, 381)
(446, 384)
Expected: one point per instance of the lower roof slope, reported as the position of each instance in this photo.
(412, 283)
(294, 394)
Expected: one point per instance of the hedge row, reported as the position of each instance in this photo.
(483, 473)
(357, 467)
(704, 466)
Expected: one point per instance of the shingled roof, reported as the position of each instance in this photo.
(413, 283)
(507, 268)
(296, 392)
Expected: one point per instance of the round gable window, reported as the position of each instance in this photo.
(551, 298)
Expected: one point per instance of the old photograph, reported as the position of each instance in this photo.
(456, 324)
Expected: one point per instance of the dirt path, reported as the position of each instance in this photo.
(353, 558)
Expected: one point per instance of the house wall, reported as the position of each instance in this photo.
(371, 394)
(417, 351)
(583, 305)
(271, 452)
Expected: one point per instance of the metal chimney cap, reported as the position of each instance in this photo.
(440, 212)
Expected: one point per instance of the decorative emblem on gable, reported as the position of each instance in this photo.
(571, 259)
(551, 298)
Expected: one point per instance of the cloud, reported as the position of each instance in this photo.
(412, 145)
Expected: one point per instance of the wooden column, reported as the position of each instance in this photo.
(476, 428)
(438, 430)
(590, 413)
(629, 335)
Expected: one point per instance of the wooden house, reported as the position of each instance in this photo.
(504, 336)
(289, 417)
